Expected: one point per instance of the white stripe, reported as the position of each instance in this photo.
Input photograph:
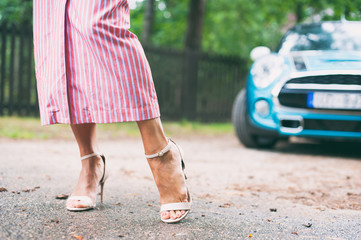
(312, 86)
(104, 73)
(112, 80)
(118, 79)
(81, 55)
(73, 106)
(97, 60)
(60, 45)
(147, 80)
(140, 78)
(121, 71)
(129, 102)
(117, 75)
(137, 79)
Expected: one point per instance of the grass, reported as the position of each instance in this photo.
(29, 128)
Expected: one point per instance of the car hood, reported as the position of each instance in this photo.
(325, 60)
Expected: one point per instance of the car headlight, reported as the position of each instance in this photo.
(266, 70)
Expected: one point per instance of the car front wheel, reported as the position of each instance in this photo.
(242, 126)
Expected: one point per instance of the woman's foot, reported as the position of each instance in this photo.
(170, 180)
(90, 175)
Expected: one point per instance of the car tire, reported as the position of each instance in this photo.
(242, 126)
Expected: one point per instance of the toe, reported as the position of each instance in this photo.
(165, 215)
(173, 215)
(178, 214)
(183, 212)
(77, 204)
(72, 203)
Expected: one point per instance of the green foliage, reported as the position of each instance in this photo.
(236, 26)
(230, 26)
(29, 128)
(16, 11)
(170, 22)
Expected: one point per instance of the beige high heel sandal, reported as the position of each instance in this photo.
(85, 200)
(186, 206)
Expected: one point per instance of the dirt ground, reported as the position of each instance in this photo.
(321, 175)
(324, 175)
(306, 176)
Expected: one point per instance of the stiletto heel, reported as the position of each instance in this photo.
(102, 181)
(186, 206)
(101, 191)
(85, 200)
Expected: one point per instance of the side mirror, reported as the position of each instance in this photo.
(258, 52)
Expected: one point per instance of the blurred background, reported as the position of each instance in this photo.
(198, 49)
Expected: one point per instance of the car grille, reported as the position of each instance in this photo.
(329, 79)
(332, 125)
(297, 98)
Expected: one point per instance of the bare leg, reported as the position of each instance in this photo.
(92, 168)
(167, 171)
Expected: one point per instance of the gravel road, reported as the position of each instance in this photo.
(299, 190)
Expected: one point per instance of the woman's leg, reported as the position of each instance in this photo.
(92, 168)
(167, 171)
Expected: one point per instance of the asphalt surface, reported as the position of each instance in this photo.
(296, 191)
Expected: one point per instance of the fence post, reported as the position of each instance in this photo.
(29, 71)
(189, 86)
(3, 67)
(12, 65)
(21, 89)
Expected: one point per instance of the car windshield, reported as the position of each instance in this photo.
(325, 36)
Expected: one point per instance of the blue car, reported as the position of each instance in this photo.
(309, 87)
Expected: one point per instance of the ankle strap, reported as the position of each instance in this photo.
(161, 153)
(90, 155)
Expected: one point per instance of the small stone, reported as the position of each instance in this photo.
(2, 189)
(226, 205)
(308, 225)
(62, 196)
(273, 209)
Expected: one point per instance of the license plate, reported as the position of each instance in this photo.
(334, 100)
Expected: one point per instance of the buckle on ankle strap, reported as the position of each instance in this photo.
(161, 152)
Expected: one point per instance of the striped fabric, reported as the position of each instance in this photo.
(90, 68)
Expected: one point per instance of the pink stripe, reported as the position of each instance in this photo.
(106, 76)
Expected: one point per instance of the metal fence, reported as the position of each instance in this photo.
(17, 82)
(191, 85)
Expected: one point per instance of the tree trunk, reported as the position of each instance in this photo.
(148, 22)
(193, 39)
(193, 45)
(299, 12)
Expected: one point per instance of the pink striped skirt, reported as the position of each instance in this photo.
(89, 67)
